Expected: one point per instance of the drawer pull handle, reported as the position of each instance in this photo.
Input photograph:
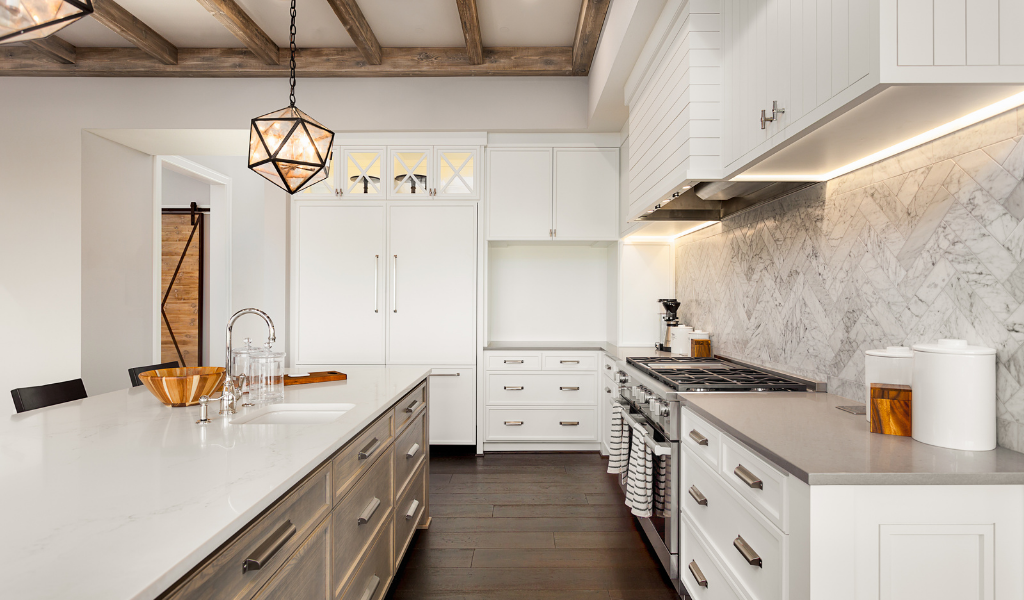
(748, 478)
(607, 390)
(569, 362)
(266, 551)
(446, 374)
(513, 423)
(748, 553)
(412, 451)
(697, 496)
(369, 449)
(698, 575)
(412, 405)
(697, 437)
(569, 388)
(368, 511)
(609, 367)
(412, 510)
(569, 423)
(513, 362)
(371, 589)
(514, 388)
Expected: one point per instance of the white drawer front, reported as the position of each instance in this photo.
(541, 389)
(704, 440)
(570, 362)
(695, 566)
(727, 522)
(608, 367)
(513, 362)
(541, 424)
(767, 491)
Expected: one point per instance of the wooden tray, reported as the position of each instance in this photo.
(315, 377)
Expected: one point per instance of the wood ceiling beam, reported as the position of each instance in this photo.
(21, 61)
(244, 28)
(471, 29)
(125, 24)
(358, 29)
(55, 49)
(588, 32)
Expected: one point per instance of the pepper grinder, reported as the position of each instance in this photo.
(204, 410)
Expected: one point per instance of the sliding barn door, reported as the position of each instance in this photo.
(182, 289)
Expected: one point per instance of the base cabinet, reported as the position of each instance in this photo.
(307, 574)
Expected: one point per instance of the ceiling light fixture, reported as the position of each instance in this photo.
(288, 147)
(22, 20)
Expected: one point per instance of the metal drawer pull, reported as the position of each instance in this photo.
(372, 588)
(607, 390)
(748, 553)
(266, 551)
(376, 285)
(748, 478)
(445, 374)
(412, 510)
(609, 367)
(369, 449)
(513, 362)
(569, 423)
(412, 405)
(514, 388)
(697, 437)
(412, 451)
(698, 575)
(569, 362)
(567, 388)
(697, 496)
(513, 423)
(368, 511)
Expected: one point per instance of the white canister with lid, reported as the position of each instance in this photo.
(892, 365)
(955, 395)
(681, 340)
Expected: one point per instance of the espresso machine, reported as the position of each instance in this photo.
(668, 323)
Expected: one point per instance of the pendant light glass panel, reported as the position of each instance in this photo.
(290, 149)
(22, 20)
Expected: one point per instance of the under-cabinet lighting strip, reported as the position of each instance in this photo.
(667, 238)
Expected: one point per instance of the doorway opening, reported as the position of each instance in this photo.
(184, 277)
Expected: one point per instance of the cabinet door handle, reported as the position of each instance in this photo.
(697, 437)
(412, 405)
(697, 496)
(412, 451)
(376, 283)
(567, 388)
(569, 423)
(748, 553)
(369, 449)
(698, 575)
(371, 589)
(513, 423)
(569, 362)
(748, 478)
(394, 286)
(513, 362)
(266, 551)
(367, 513)
(413, 507)
(514, 388)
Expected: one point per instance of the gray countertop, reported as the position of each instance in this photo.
(611, 349)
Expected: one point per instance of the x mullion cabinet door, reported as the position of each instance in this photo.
(363, 173)
(410, 172)
(457, 173)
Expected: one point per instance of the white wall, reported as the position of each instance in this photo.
(646, 274)
(181, 190)
(548, 293)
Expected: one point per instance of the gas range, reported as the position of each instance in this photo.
(692, 374)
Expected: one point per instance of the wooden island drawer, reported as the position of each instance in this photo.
(353, 460)
(372, 578)
(284, 526)
(409, 511)
(410, 406)
(361, 514)
(409, 452)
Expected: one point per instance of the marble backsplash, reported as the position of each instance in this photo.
(925, 245)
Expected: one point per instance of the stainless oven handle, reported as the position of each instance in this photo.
(656, 448)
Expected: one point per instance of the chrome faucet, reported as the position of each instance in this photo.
(231, 390)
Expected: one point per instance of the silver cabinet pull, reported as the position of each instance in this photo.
(412, 405)
(698, 575)
(607, 390)
(748, 478)
(369, 449)
(445, 374)
(394, 286)
(513, 362)
(748, 553)
(566, 388)
(376, 282)
(697, 496)
(371, 589)
(412, 510)
(569, 423)
(514, 388)
(697, 437)
(513, 423)
(569, 362)
(367, 513)
(412, 451)
(609, 367)
(266, 551)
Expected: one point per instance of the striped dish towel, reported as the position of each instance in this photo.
(662, 487)
(639, 491)
(618, 447)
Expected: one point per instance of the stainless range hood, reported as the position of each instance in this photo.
(717, 200)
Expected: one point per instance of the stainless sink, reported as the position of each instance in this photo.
(293, 414)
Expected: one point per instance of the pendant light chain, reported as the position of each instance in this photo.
(291, 79)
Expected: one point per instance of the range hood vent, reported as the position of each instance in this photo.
(718, 200)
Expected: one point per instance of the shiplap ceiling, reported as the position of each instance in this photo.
(529, 35)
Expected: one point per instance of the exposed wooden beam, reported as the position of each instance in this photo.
(588, 32)
(125, 24)
(358, 29)
(244, 28)
(21, 61)
(471, 29)
(55, 49)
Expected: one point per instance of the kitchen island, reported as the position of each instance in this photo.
(118, 496)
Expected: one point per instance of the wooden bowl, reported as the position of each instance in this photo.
(183, 387)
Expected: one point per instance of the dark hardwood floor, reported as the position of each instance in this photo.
(528, 527)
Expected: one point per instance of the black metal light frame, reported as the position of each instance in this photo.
(84, 6)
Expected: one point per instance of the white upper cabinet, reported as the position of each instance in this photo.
(519, 193)
(457, 170)
(410, 173)
(360, 176)
(586, 193)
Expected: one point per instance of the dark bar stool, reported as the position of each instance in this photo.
(133, 373)
(31, 398)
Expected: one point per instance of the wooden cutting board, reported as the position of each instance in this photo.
(315, 377)
(891, 409)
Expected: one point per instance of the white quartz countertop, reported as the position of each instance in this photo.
(116, 496)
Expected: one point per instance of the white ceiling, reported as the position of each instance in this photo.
(396, 23)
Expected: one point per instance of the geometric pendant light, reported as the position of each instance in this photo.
(22, 20)
(287, 146)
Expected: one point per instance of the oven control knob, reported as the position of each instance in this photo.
(649, 397)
